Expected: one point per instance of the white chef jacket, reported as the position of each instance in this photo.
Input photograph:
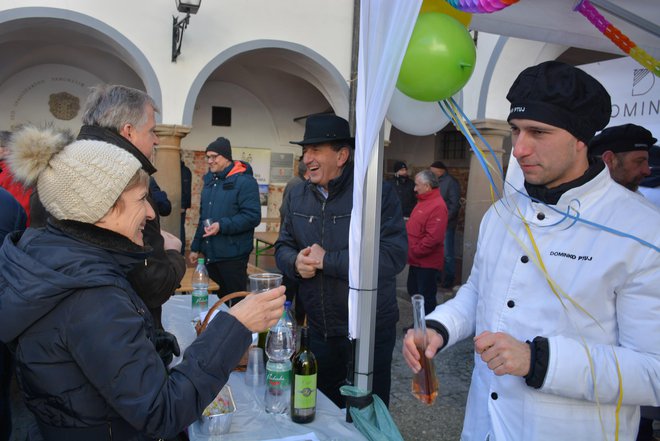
(615, 279)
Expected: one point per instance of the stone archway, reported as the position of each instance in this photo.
(63, 24)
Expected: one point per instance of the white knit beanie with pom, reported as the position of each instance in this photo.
(85, 179)
(80, 181)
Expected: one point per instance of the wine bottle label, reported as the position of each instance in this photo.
(278, 380)
(304, 396)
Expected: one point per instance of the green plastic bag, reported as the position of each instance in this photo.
(374, 420)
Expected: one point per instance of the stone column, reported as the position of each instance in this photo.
(168, 155)
(478, 198)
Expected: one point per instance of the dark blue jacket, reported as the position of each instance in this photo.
(450, 190)
(163, 203)
(12, 215)
(309, 219)
(83, 337)
(230, 197)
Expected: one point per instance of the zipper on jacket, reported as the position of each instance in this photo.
(325, 324)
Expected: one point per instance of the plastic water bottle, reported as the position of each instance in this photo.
(279, 347)
(291, 323)
(200, 293)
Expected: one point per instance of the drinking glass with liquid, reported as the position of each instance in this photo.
(424, 382)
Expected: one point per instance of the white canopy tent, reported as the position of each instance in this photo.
(555, 21)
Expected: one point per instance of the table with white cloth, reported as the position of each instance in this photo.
(251, 422)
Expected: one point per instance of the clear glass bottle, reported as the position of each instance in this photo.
(200, 293)
(424, 382)
(279, 348)
(291, 323)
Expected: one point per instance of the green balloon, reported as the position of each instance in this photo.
(439, 60)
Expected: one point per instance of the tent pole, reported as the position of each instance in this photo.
(369, 252)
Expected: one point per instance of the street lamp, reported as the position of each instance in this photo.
(178, 26)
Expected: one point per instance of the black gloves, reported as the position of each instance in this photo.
(167, 346)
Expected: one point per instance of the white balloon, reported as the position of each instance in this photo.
(415, 117)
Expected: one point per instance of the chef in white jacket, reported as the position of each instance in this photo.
(564, 294)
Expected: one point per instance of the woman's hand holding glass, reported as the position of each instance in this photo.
(258, 312)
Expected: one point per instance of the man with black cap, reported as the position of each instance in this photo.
(625, 151)
(404, 187)
(230, 199)
(313, 247)
(563, 285)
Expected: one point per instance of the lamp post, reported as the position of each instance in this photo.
(178, 26)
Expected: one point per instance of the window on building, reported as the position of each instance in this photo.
(450, 145)
(221, 116)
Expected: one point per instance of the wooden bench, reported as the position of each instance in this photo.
(252, 269)
(186, 283)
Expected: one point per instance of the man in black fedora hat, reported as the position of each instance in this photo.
(313, 247)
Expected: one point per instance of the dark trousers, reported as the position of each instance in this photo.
(182, 233)
(449, 270)
(231, 275)
(335, 354)
(424, 281)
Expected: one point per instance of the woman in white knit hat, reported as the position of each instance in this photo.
(83, 339)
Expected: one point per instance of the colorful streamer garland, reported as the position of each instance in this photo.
(585, 8)
(481, 6)
(616, 36)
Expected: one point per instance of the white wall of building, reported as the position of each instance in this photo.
(324, 28)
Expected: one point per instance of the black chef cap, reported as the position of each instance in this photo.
(563, 96)
(625, 138)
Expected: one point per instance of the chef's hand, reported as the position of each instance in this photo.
(259, 312)
(410, 353)
(503, 354)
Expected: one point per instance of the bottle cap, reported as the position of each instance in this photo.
(200, 260)
(287, 304)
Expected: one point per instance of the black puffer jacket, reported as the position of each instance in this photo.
(84, 352)
(405, 190)
(310, 218)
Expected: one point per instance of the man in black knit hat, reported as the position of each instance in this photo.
(563, 287)
(230, 199)
(404, 187)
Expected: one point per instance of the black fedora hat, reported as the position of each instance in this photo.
(324, 128)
